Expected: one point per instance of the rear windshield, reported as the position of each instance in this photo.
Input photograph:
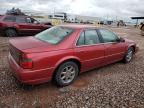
(0, 16)
(54, 35)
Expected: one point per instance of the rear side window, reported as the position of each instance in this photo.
(88, 37)
(10, 18)
(20, 20)
(81, 39)
(91, 37)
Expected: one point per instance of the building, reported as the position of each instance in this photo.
(82, 19)
(58, 15)
(64, 17)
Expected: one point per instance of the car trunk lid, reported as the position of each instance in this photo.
(23, 43)
(26, 45)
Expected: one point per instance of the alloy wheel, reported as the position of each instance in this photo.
(68, 74)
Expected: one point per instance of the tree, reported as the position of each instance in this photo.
(14, 11)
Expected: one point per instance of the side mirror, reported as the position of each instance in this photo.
(121, 39)
(36, 22)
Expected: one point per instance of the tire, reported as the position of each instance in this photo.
(11, 33)
(129, 55)
(66, 74)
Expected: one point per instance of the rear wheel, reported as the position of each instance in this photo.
(129, 55)
(66, 73)
(10, 33)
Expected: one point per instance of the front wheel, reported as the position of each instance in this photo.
(66, 73)
(129, 55)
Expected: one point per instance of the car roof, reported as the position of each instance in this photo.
(78, 26)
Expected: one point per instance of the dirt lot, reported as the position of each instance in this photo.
(114, 86)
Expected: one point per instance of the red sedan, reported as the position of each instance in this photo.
(63, 52)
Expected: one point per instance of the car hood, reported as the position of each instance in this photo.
(128, 40)
(31, 44)
(46, 23)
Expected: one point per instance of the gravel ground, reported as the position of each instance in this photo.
(114, 86)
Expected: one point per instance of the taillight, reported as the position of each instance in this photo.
(25, 62)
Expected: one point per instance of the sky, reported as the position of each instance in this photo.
(96, 8)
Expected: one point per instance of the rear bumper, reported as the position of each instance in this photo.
(30, 77)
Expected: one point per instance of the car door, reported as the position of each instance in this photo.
(90, 50)
(115, 49)
(22, 25)
(33, 25)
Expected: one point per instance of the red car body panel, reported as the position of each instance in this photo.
(27, 76)
(47, 57)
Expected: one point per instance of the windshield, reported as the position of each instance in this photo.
(54, 35)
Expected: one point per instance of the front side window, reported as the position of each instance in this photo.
(10, 18)
(54, 35)
(31, 20)
(108, 36)
(28, 20)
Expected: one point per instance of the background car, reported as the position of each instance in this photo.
(141, 26)
(63, 52)
(14, 25)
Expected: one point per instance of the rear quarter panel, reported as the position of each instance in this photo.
(6, 25)
(50, 59)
